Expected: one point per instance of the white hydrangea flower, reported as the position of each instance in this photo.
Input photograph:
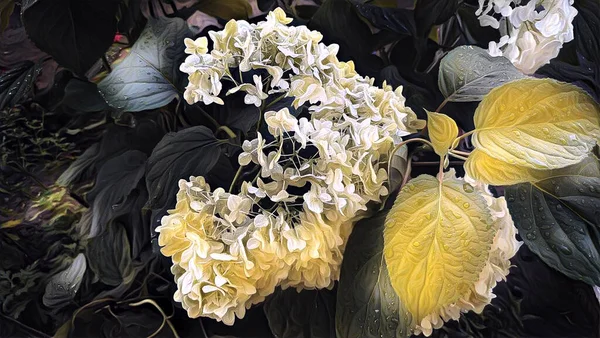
(315, 174)
(532, 34)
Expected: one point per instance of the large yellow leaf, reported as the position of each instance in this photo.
(485, 168)
(436, 241)
(533, 123)
(442, 131)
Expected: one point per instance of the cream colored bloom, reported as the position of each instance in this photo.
(532, 34)
(315, 175)
(198, 46)
(280, 121)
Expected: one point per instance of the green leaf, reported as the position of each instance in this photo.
(6, 9)
(115, 180)
(190, 152)
(16, 83)
(143, 136)
(367, 305)
(397, 20)
(309, 313)
(83, 96)
(147, 77)
(559, 220)
(433, 12)
(230, 9)
(75, 32)
(110, 257)
(468, 73)
(63, 286)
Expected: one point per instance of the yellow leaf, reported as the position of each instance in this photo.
(485, 168)
(531, 123)
(11, 223)
(436, 241)
(442, 131)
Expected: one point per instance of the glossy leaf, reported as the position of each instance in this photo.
(190, 152)
(398, 167)
(442, 132)
(468, 73)
(437, 237)
(83, 96)
(367, 305)
(17, 83)
(559, 217)
(433, 12)
(63, 286)
(538, 124)
(397, 20)
(111, 254)
(115, 180)
(146, 78)
(75, 32)
(308, 313)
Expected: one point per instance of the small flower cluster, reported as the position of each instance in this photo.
(315, 174)
(503, 248)
(532, 34)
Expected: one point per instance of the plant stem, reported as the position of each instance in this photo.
(442, 105)
(457, 140)
(237, 174)
(227, 130)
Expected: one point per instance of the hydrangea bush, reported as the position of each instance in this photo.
(330, 168)
(315, 175)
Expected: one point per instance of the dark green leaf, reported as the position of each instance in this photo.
(265, 5)
(226, 10)
(190, 152)
(134, 221)
(559, 220)
(110, 257)
(115, 180)
(308, 314)
(397, 20)
(586, 28)
(83, 96)
(468, 73)
(339, 23)
(146, 132)
(433, 12)
(147, 77)
(367, 305)
(75, 32)
(63, 286)
(17, 83)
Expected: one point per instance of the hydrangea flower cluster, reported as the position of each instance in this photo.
(504, 247)
(532, 34)
(315, 174)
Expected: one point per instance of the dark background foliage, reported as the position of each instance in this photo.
(79, 176)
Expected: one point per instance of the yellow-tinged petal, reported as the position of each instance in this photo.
(537, 123)
(437, 240)
(442, 131)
